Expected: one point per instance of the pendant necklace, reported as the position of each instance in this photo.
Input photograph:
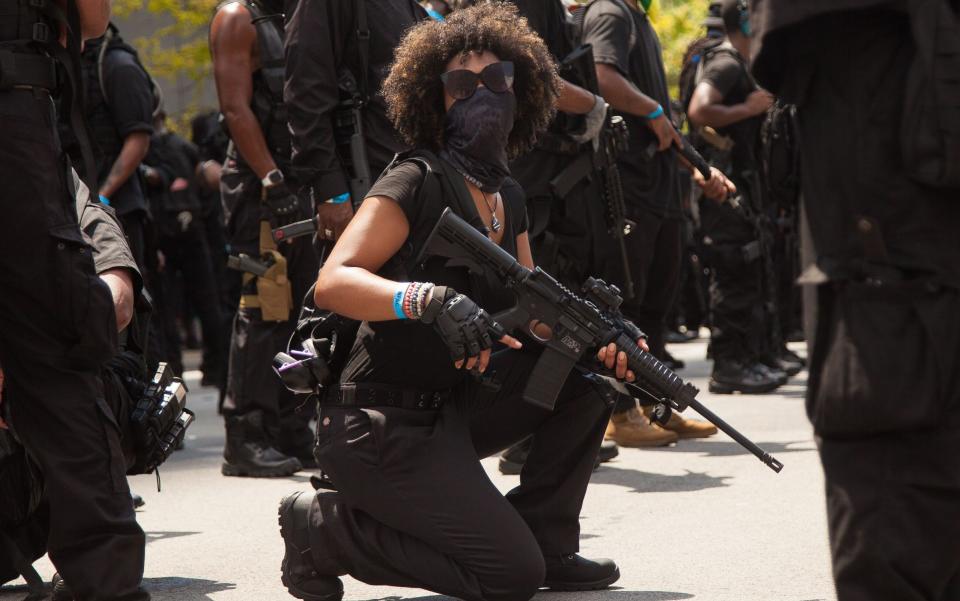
(494, 222)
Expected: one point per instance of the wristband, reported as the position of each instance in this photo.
(656, 113)
(339, 200)
(398, 302)
(104, 200)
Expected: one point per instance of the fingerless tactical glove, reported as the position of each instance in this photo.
(465, 327)
(284, 206)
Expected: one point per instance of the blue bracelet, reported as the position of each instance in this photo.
(398, 303)
(656, 113)
(104, 200)
(339, 200)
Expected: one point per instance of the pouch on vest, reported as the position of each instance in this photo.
(930, 130)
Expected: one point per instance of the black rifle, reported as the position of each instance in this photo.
(580, 324)
(600, 159)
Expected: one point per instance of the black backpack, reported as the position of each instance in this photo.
(691, 69)
(113, 41)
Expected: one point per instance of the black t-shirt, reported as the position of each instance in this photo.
(408, 353)
(624, 38)
(322, 41)
(548, 19)
(127, 109)
(728, 74)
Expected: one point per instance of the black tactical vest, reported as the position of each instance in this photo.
(267, 103)
(27, 24)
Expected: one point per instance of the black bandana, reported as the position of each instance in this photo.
(477, 131)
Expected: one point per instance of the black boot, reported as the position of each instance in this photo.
(299, 571)
(576, 573)
(297, 443)
(247, 452)
(608, 450)
(61, 592)
(733, 376)
(770, 366)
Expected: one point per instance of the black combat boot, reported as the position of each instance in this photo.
(247, 452)
(790, 362)
(297, 443)
(733, 376)
(770, 366)
(576, 573)
(306, 573)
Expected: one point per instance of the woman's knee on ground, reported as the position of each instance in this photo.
(518, 576)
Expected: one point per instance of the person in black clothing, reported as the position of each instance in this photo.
(120, 103)
(884, 338)
(323, 51)
(57, 317)
(114, 263)
(727, 99)
(632, 79)
(172, 174)
(400, 438)
(266, 435)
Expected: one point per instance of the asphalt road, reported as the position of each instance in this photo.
(701, 520)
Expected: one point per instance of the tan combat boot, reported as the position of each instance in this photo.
(685, 428)
(633, 429)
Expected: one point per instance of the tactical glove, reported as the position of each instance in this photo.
(466, 328)
(283, 205)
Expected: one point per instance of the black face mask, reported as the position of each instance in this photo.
(477, 130)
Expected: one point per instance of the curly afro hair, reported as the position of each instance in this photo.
(414, 92)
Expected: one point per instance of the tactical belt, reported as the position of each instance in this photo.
(23, 70)
(380, 395)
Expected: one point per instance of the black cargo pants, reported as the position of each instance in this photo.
(884, 393)
(736, 283)
(251, 383)
(57, 329)
(417, 509)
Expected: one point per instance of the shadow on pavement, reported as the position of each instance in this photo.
(604, 595)
(168, 588)
(184, 589)
(729, 448)
(616, 594)
(651, 482)
(153, 537)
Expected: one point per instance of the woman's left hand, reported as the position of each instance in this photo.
(616, 360)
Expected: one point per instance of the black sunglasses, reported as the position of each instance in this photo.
(462, 83)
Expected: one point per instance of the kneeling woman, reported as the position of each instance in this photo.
(423, 397)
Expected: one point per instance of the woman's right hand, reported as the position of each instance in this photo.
(467, 330)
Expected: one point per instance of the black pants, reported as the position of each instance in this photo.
(884, 394)
(417, 508)
(188, 256)
(655, 250)
(736, 284)
(251, 383)
(57, 328)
